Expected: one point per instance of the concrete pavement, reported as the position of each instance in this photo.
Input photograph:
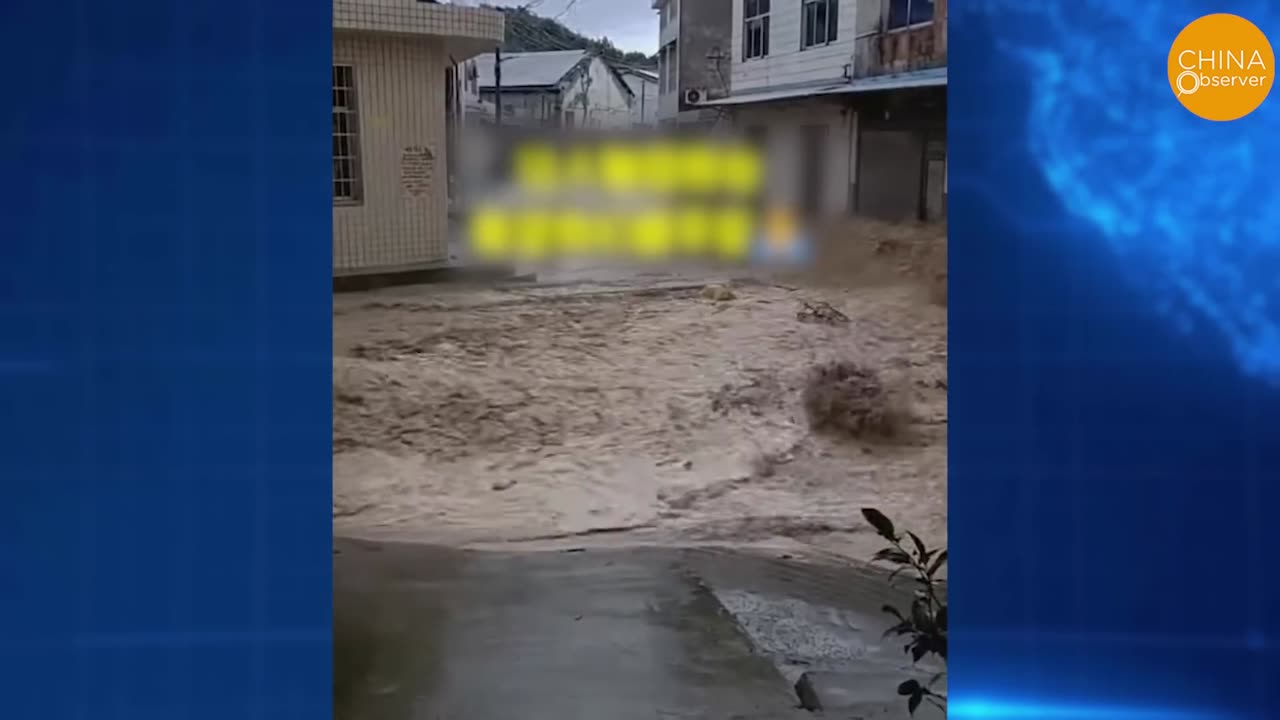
(426, 633)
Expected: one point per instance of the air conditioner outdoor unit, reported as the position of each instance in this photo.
(693, 96)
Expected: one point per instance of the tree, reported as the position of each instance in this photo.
(527, 32)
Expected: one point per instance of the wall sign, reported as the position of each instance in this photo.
(417, 166)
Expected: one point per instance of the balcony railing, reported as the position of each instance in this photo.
(917, 47)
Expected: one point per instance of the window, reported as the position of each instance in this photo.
(346, 137)
(667, 59)
(820, 18)
(673, 65)
(903, 13)
(755, 29)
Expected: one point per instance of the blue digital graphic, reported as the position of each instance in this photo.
(1185, 205)
(1114, 442)
(165, 360)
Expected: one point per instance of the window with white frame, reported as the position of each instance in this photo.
(819, 20)
(904, 13)
(346, 136)
(755, 29)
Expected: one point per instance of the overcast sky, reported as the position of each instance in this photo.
(630, 24)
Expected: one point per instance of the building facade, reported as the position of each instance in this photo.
(562, 88)
(694, 58)
(849, 100)
(395, 90)
(644, 92)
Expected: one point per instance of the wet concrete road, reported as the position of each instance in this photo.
(426, 633)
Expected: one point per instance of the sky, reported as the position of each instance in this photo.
(630, 24)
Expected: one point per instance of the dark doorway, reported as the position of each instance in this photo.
(890, 169)
(813, 139)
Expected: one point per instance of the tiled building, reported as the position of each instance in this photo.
(694, 55)
(396, 94)
(849, 96)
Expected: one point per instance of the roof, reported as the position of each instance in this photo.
(932, 77)
(646, 74)
(529, 69)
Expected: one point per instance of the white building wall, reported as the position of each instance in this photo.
(644, 106)
(608, 105)
(400, 96)
(787, 63)
(784, 123)
(520, 107)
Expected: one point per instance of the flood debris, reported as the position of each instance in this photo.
(846, 397)
(821, 312)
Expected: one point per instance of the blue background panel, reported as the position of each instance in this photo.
(1115, 373)
(165, 360)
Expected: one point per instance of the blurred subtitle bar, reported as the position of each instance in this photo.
(539, 195)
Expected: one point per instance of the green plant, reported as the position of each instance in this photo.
(924, 624)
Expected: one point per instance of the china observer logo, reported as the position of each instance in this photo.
(1221, 67)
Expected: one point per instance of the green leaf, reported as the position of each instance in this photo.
(901, 628)
(938, 562)
(893, 555)
(882, 524)
(920, 548)
(920, 615)
(918, 650)
(914, 702)
(908, 687)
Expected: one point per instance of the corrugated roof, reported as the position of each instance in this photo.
(529, 69)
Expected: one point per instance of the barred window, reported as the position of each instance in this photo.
(346, 136)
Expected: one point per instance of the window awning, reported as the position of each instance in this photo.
(932, 77)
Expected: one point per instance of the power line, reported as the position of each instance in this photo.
(566, 10)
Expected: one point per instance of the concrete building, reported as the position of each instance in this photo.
(395, 98)
(849, 97)
(694, 55)
(644, 90)
(562, 88)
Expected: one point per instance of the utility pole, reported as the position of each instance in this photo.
(497, 86)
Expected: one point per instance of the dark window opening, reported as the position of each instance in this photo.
(755, 29)
(819, 22)
(909, 12)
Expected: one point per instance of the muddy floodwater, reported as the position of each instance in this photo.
(638, 411)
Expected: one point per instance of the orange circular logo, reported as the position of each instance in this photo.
(1221, 67)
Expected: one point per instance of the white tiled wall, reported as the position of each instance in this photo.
(411, 16)
(400, 100)
(786, 63)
